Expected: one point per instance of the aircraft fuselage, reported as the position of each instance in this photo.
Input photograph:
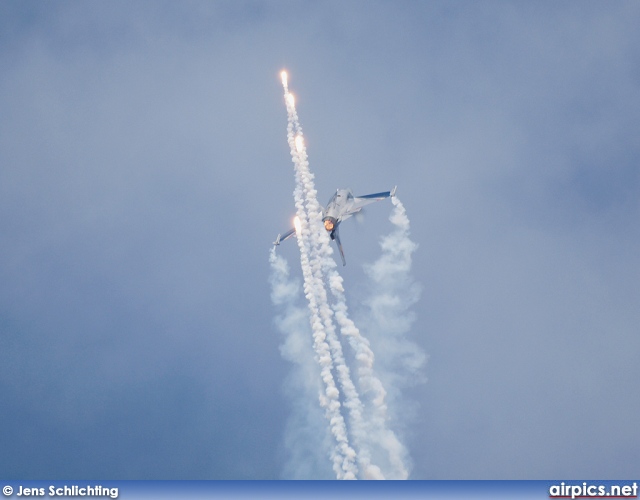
(342, 205)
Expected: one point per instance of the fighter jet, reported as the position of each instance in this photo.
(342, 205)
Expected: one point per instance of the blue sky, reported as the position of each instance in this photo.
(144, 171)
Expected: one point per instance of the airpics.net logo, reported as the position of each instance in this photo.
(586, 490)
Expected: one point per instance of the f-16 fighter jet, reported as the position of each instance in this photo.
(341, 206)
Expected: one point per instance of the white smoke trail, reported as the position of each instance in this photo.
(393, 293)
(379, 434)
(387, 316)
(319, 252)
(325, 266)
(344, 455)
(321, 260)
(307, 448)
(368, 429)
(313, 214)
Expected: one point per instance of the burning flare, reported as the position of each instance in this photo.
(297, 225)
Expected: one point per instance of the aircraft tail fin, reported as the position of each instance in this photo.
(337, 238)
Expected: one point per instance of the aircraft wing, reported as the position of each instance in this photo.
(285, 236)
(361, 201)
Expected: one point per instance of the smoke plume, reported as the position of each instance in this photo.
(363, 444)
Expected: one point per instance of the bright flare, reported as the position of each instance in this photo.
(299, 143)
(283, 75)
(297, 225)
